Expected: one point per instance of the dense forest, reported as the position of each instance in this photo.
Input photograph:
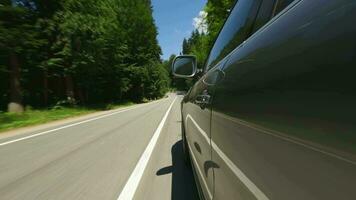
(78, 52)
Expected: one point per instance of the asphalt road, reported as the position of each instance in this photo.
(95, 158)
(136, 153)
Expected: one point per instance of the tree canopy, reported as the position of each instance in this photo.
(199, 43)
(78, 52)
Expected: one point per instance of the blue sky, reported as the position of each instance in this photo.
(174, 19)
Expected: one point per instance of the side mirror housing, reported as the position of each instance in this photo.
(184, 66)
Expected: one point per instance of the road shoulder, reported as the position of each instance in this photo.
(166, 175)
(61, 122)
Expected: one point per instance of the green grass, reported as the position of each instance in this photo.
(10, 121)
(118, 105)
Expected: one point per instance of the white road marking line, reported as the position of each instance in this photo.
(244, 179)
(70, 125)
(131, 185)
(285, 138)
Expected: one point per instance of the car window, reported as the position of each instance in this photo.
(281, 4)
(265, 13)
(236, 29)
(269, 9)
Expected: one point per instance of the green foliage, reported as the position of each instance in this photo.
(218, 11)
(199, 44)
(61, 110)
(87, 50)
(32, 117)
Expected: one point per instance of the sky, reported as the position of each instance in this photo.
(175, 20)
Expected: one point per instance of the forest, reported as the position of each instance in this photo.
(87, 52)
(78, 52)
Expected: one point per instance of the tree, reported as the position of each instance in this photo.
(17, 39)
(185, 47)
(218, 11)
(78, 52)
(200, 43)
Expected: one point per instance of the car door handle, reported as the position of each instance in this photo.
(203, 99)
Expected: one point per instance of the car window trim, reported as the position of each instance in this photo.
(205, 68)
(249, 34)
(272, 20)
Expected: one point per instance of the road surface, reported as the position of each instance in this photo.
(95, 158)
(136, 153)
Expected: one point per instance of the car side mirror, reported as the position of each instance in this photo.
(184, 66)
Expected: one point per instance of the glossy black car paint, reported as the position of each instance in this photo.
(280, 122)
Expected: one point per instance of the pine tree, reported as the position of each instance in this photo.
(17, 38)
(78, 51)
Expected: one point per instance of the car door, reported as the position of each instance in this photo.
(282, 125)
(247, 17)
(197, 110)
(197, 114)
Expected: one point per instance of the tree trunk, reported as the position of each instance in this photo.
(15, 104)
(45, 87)
(69, 88)
(80, 95)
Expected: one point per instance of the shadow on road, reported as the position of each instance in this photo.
(183, 184)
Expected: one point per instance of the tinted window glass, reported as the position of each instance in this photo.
(264, 14)
(235, 31)
(281, 5)
(268, 9)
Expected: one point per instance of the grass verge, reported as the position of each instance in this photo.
(30, 117)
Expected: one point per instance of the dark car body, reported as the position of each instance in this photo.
(273, 114)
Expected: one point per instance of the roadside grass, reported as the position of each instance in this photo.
(30, 117)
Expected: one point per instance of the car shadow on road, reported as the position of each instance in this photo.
(183, 184)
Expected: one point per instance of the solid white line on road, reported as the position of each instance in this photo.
(70, 125)
(131, 185)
